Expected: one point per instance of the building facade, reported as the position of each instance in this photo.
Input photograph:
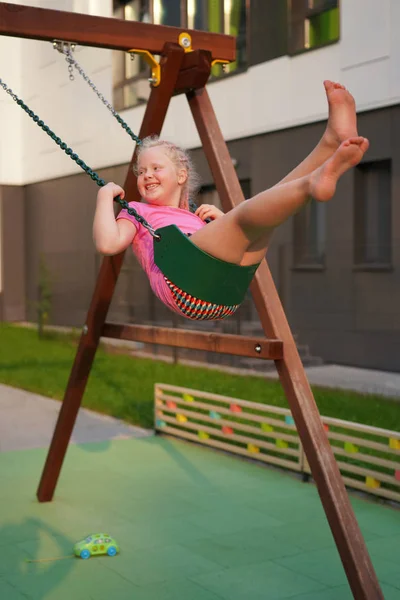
(336, 265)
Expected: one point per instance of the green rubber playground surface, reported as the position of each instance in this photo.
(192, 524)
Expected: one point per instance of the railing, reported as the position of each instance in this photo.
(368, 457)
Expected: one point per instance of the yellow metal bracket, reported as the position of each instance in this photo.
(155, 67)
(224, 63)
(185, 40)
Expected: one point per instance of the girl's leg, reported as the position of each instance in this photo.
(341, 126)
(251, 223)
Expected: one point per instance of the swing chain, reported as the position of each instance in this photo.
(66, 49)
(71, 72)
(93, 175)
(8, 90)
(63, 48)
(131, 211)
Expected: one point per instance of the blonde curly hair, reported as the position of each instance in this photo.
(181, 159)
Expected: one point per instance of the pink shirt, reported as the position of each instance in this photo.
(142, 245)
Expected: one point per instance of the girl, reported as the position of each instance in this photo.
(166, 180)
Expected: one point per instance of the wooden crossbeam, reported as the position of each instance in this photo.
(236, 345)
(103, 32)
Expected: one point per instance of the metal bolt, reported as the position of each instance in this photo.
(257, 348)
(85, 329)
(185, 42)
(152, 80)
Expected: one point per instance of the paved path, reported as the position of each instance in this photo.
(27, 421)
(365, 381)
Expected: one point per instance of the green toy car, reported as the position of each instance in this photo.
(95, 544)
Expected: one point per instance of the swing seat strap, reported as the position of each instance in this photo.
(197, 272)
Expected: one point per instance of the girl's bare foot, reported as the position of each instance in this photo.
(324, 179)
(342, 121)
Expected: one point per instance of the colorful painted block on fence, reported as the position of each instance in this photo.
(159, 402)
(235, 408)
(188, 398)
(289, 420)
(214, 415)
(227, 430)
(326, 427)
(253, 449)
(160, 423)
(397, 475)
(171, 405)
(351, 448)
(266, 427)
(203, 435)
(181, 418)
(281, 443)
(394, 444)
(372, 482)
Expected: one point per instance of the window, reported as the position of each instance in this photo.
(167, 12)
(131, 85)
(131, 73)
(221, 16)
(373, 215)
(209, 195)
(309, 236)
(313, 23)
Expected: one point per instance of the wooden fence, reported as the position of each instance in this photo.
(368, 457)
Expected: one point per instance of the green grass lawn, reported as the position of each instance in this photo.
(122, 386)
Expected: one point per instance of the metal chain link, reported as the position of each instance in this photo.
(71, 72)
(65, 49)
(100, 182)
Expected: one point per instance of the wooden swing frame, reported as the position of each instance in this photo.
(188, 72)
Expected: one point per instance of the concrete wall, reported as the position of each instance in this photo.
(13, 253)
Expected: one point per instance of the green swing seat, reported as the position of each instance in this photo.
(197, 272)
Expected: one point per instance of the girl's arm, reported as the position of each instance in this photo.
(111, 236)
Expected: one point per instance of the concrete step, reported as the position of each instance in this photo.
(262, 365)
(253, 329)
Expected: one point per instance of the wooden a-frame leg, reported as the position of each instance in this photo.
(339, 512)
(152, 123)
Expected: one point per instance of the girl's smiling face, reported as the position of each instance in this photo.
(159, 181)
